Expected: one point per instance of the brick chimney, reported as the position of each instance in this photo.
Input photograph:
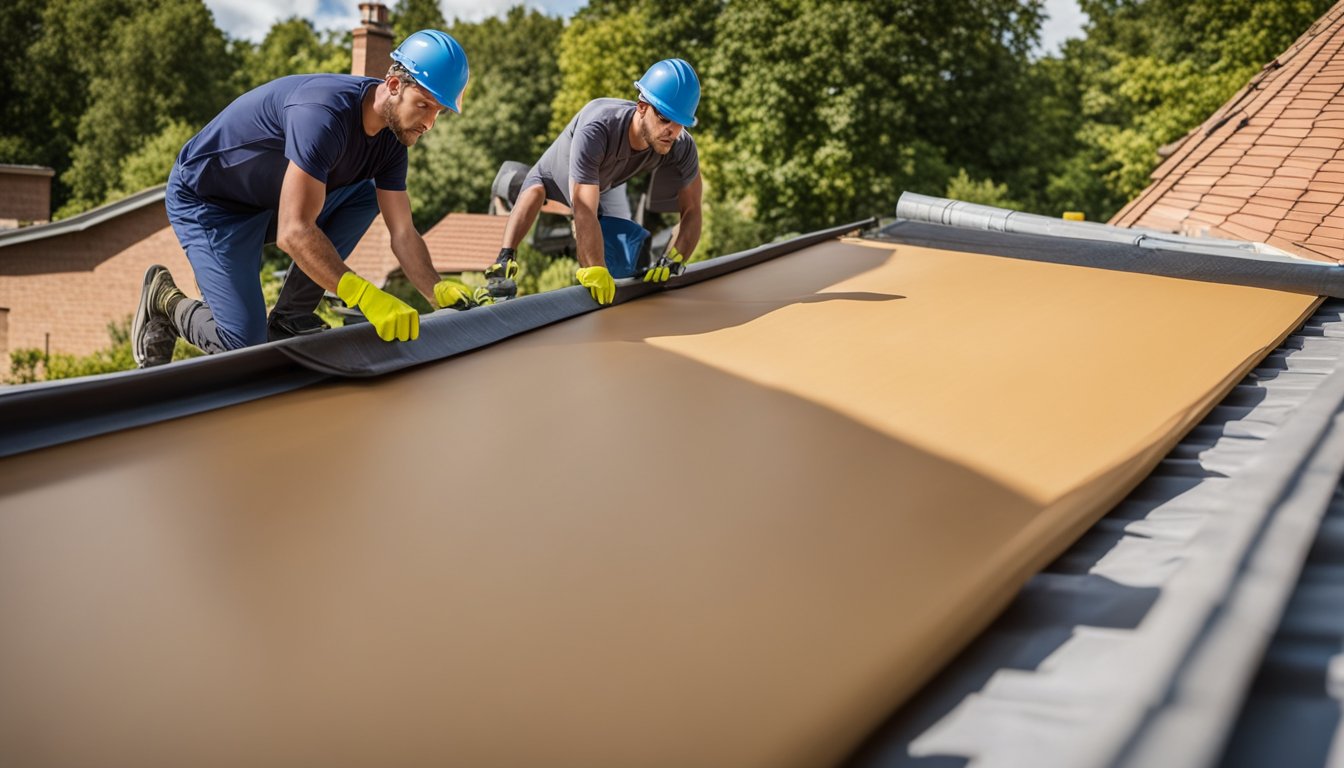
(373, 42)
(25, 195)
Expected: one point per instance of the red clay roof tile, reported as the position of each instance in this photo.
(461, 242)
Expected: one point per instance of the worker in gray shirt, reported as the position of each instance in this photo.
(606, 144)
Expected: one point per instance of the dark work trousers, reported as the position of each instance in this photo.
(224, 248)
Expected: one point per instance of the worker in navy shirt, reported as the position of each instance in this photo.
(606, 144)
(306, 162)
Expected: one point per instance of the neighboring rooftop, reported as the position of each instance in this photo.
(460, 242)
(1269, 165)
(85, 220)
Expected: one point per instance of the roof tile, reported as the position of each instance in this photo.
(460, 242)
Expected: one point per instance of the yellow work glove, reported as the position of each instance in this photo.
(455, 294)
(599, 283)
(391, 317)
(668, 265)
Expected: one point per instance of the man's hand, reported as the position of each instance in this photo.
(391, 317)
(455, 294)
(668, 265)
(599, 282)
(501, 277)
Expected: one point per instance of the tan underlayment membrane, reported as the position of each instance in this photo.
(730, 525)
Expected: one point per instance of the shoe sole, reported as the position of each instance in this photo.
(143, 312)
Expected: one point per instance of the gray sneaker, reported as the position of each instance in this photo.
(153, 333)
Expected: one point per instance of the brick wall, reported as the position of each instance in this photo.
(73, 285)
(25, 195)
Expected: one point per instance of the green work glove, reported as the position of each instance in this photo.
(668, 265)
(599, 283)
(391, 317)
(455, 294)
(501, 277)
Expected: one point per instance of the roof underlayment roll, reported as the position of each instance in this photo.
(732, 524)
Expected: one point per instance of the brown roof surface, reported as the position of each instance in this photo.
(1268, 166)
(461, 242)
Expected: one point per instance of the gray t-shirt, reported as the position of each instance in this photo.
(595, 149)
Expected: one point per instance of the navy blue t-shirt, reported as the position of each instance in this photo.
(239, 159)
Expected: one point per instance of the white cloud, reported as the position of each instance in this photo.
(250, 19)
(1065, 20)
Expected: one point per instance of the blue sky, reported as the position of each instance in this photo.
(251, 18)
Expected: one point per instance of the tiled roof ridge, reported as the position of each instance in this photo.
(1207, 136)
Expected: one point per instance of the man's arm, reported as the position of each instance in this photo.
(688, 229)
(407, 244)
(587, 232)
(297, 233)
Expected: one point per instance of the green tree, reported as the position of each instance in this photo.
(149, 165)
(599, 56)
(53, 92)
(133, 90)
(610, 43)
(20, 21)
(835, 108)
(292, 47)
(980, 191)
(410, 16)
(1146, 74)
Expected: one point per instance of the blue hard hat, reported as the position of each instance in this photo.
(673, 89)
(438, 64)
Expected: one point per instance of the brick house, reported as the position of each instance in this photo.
(62, 283)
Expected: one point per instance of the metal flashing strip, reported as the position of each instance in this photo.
(1139, 644)
(939, 210)
(1301, 276)
(41, 415)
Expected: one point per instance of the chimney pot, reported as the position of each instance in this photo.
(372, 50)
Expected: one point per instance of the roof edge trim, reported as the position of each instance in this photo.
(85, 220)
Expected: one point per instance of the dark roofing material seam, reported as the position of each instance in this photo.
(41, 415)
(356, 351)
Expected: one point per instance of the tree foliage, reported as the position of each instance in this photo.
(834, 108)
(409, 16)
(137, 65)
(292, 46)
